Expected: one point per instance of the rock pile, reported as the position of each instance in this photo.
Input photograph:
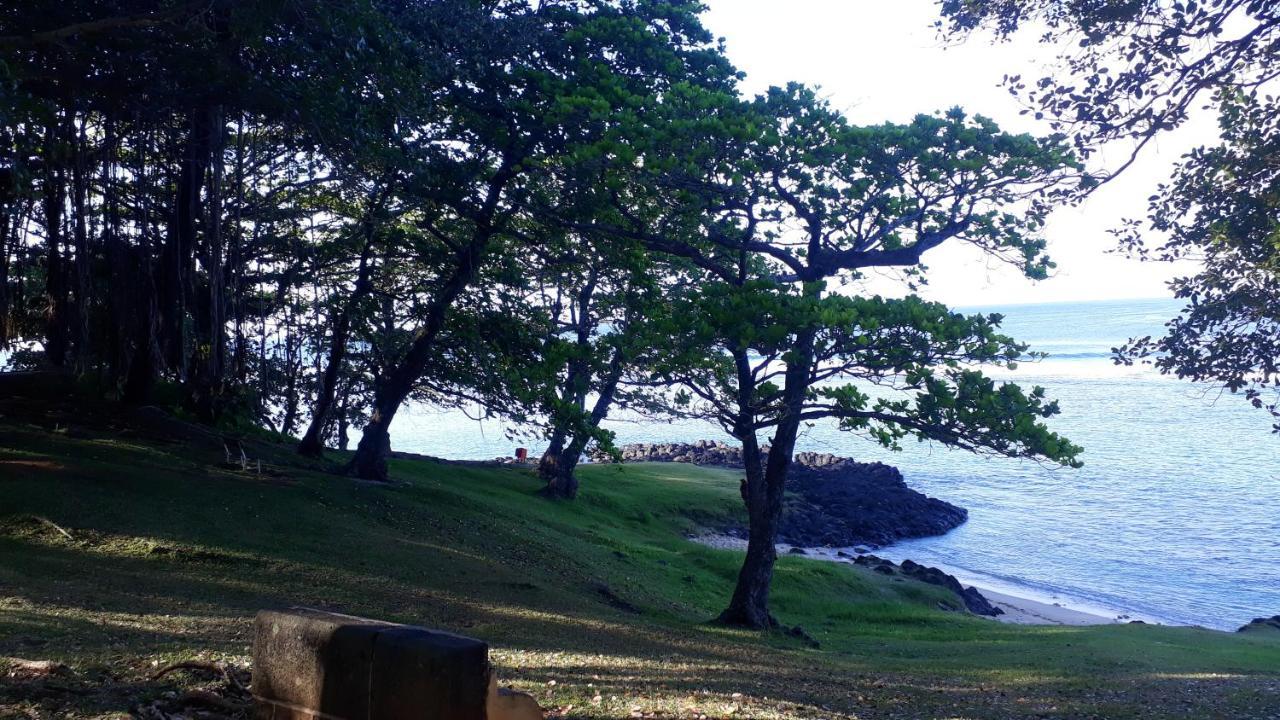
(846, 503)
(712, 452)
(831, 501)
(973, 600)
(703, 452)
(1271, 624)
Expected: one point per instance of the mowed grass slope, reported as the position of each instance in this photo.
(599, 607)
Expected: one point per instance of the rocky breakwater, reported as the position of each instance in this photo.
(1267, 625)
(703, 452)
(974, 601)
(831, 501)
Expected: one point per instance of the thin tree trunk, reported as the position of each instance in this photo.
(370, 461)
(79, 201)
(292, 365)
(312, 444)
(562, 482)
(178, 266)
(55, 197)
(5, 219)
(206, 390)
(142, 334)
(344, 439)
(236, 258)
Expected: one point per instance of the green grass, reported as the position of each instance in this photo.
(171, 556)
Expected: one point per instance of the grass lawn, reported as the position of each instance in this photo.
(598, 607)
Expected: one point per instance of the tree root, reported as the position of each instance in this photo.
(219, 668)
(204, 697)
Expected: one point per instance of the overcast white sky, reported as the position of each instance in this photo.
(881, 61)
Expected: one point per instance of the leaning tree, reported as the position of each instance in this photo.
(561, 80)
(795, 208)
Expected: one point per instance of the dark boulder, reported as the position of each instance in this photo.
(1271, 624)
(972, 598)
(842, 503)
(831, 501)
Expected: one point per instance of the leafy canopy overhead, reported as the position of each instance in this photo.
(798, 203)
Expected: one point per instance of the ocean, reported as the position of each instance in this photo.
(1175, 517)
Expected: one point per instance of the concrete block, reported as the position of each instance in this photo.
(315, 665)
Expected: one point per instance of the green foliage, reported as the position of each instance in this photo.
(794, 206)
(1138, 69)
(1221, 208)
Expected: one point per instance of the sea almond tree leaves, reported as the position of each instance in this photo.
(795, 204)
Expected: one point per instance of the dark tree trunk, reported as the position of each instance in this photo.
(143, 351)
(206, 388)
(749, 606)
(555, 446)
(6, 218)
(550, 467)
(560, 461)
(370, 461)
(134, 288)
(236, 262)
(292, 367)
(344, 439)
(79, 202)
(55, 197)
(312, 444)
(177, 269)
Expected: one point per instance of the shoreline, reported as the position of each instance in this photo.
(1019, 608)
(1025, 611)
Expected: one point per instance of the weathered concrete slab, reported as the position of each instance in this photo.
(316, 665)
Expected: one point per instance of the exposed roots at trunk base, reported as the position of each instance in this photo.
(738, 618)
(561, 485)
(748, 619)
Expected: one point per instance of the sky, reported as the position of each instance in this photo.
(881, 61)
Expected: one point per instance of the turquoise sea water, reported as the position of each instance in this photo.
(1175, 516)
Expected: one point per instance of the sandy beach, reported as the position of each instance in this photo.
(1025, 611)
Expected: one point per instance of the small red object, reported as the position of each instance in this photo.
(522, 454)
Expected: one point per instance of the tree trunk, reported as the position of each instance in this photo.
(312, 444)
(137, 301)
(55, 197)
(206, 387)
(548, 466)
(559, 473)
(79, 202)
(370, 461)
(5, 219)
(344, 438)
(749, 606)
(178, 259)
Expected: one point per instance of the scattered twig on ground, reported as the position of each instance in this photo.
(54, 525)
(204, 697)
(219, 668)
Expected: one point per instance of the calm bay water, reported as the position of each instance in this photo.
(1174, 518)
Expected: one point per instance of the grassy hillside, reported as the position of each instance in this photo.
(600, 604)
